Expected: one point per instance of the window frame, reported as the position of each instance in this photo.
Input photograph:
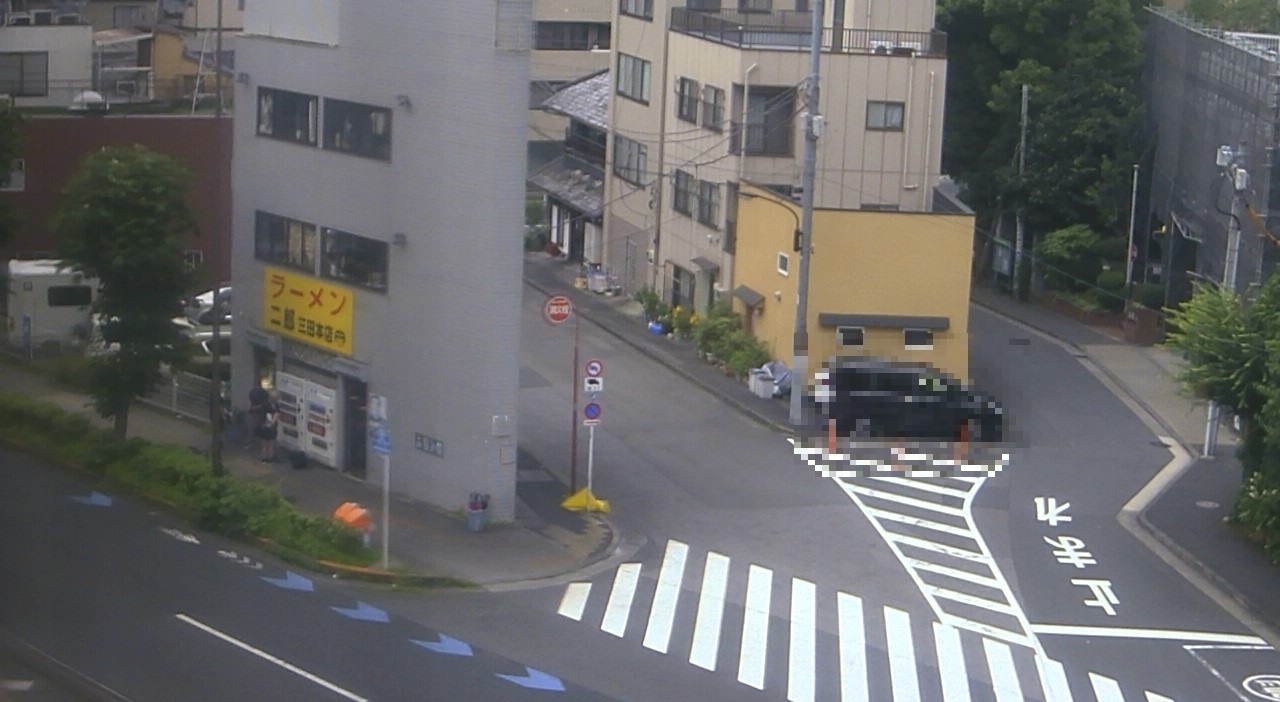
(370, 278)
(634, 165)
(880, 112)
(290, 256)
(630, 70)
(764, 117)
(683, 193)
(687, 99)
(713, 108)
(313, 117)
(709, 201)
(375, 144)
(550, 35)
(15, 180)
(23, 75)
(843, 332)
(784, 263)
(58, 295)
(641, 9)
(906, 339)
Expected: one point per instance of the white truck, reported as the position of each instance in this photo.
(46, 303)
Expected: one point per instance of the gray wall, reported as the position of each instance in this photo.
(443, 343)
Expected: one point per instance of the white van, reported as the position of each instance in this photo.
(45, 302)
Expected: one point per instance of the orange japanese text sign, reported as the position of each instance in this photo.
(309, 309)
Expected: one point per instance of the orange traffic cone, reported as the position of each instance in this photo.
(962, 446)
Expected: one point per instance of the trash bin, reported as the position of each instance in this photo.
(477, 511)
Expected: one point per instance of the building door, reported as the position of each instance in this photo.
(355, 423)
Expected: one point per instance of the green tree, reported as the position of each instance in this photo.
(10, 148)
(1237, 15)
(122, 219)
(1081, 61)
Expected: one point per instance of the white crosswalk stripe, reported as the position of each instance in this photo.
(964, 662)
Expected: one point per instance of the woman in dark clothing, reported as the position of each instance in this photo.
(267, 431)
(256, 415)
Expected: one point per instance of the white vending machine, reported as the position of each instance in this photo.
(290, 390)
(321, 423)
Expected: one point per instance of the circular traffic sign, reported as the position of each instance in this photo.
(594, 368)
(592, 410)
(557, 309)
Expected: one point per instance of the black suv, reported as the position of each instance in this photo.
(890, 400)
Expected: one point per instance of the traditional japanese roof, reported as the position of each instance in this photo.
(574, 182)
(586, 100)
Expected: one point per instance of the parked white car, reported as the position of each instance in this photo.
(199, 308)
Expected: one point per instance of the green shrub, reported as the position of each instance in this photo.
(1071, 256)
(683, 321)
(1257, 513)
(1151, 295)
(711, 334)
(1110, 293)
(741, 352)
(69, 370)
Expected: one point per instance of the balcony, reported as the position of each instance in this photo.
(787, 30)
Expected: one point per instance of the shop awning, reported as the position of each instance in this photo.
(748, 296)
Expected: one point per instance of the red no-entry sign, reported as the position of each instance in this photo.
(557, 309)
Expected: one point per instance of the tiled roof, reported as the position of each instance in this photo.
(586, 100)
(574, 182)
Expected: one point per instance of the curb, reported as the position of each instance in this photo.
(670, 364)
(617, 550)
(82, 685)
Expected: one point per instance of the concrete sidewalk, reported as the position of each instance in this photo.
(546, 543)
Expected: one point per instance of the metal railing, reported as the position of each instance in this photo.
(184, 394)
(790, 31)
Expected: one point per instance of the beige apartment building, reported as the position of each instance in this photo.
(571, 41)
(711, 94)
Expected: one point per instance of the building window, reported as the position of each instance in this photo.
(285, 241)
(683, 285)
(769, 112)
(713, 108)
(687, 99)
(683, 193)
(355, 259)
(850, 336)
(709, 203)
(69, 295)
(633, 78)
(128, 16)
(287, 115)
(24, 74)
(358, 129)
(192, 259)
(885, 116)
(755, 5)
(630, 160)
(15, 179)
(571, 36)
(636, 8)
(918, 339)
(784, 263)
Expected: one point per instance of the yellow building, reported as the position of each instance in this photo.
(884, 284)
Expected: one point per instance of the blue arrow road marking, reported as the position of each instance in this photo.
(363, 611)
(535, 679)
(95, 499)
(292, 581)
(446, 644)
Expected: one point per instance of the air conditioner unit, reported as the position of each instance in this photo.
(880, 46)
(19, 19)
(126, 88)
(42, 17)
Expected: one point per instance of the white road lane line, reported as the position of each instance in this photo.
(1053, 680)
(1004, 676)
(935, 547)
(271, 659)
(955, 681)
(1106, 689)
(619, 607)
(1153, 697)
(853, 649)
(706, 628)
(1155, 634)
(902, 656)
(755, 627)
(917, 522)
(657, 635)
(574, 601)
(802, 661)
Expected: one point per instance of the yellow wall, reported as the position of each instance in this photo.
(884, 263)
(170, 66)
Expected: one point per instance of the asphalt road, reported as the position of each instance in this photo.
(138, 604)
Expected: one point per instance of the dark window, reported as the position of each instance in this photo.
(636, 8)
(359, 129)
(769, 112)
(885, 116)
(571, 36)
(683, 200)
(918, 338)
(633, 77)
(24, 74)
(755, 5)
(682, 287)
(287, 115)
(285, 241)
(687, 99)
(630, 160)
(713, 108)
(70, 295)
(354, 259)
(850, 336)
(709, 203)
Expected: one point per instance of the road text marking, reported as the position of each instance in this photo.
(271, 659)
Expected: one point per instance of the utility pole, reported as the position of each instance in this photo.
(215, 400)
(1131, 252)
(1020, 236)
(813, 129)
(1239, 178)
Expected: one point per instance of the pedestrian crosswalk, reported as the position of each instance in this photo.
(792, 637)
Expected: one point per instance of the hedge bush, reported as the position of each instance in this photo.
(179, 478)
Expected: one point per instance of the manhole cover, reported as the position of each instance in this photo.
(1020, 341)
(1207, 504)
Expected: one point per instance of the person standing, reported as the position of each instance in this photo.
(256, 414)
(267, 431)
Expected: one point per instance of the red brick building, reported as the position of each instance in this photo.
(55, 145)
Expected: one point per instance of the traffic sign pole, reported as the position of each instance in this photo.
(573, 431)
(591, 455)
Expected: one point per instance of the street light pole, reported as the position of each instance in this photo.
(813, 128)
(1130, 252)
(1239, 178)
